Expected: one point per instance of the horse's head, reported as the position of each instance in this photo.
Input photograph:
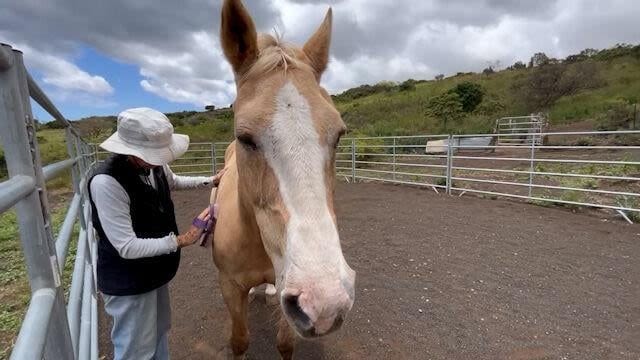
(287, 130)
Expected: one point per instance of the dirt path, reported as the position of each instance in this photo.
(445, 278)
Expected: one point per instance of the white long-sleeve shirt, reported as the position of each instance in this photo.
(112, 203)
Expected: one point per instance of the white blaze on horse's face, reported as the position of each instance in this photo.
(316, 282)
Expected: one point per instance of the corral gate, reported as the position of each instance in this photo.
(520, 130)
(51, 329)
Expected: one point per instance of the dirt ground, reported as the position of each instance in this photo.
(443, 277)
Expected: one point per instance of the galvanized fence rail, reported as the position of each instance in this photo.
(598, 169)
(52, 328)
(520, 130)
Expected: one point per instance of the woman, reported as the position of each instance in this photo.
(138, 241)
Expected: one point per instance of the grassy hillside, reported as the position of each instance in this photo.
(392, 110)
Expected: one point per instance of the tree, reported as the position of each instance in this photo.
(470, 95)
(439, 77)
(518, 65)
(589, 52)
(546, 84)
(408, 85)
(488, 71)
(447, 107)
(539, 59)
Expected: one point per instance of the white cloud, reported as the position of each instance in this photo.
(175, 44)
(63, 74)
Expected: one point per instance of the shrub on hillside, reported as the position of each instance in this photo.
(446, 107)
(490, 106)
(470, 95)
(365, 90)
(517, 66)
(408, 85)
(54, 124)
(488, 71)
(548, 83)
(617, 51)
(617, 117)
(195, 120)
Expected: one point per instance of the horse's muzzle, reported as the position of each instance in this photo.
(316, 315)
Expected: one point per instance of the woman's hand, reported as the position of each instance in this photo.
(193, 234)
(218, 176)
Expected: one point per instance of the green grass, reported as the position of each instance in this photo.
(622, 76)
(14, 284)
(404, 112)
(591, 169)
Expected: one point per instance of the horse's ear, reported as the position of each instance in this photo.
(317, 47)
(238, 36)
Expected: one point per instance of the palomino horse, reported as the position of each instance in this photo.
(276, 221)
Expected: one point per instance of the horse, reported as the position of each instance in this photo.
(276, 221)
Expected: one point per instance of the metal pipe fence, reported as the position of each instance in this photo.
(596, 169)
(50, 328)
(520, 130)
(574, 169)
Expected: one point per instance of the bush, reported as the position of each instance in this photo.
(630, 203)
(195, 120)
(366, 90)
(408, 85)
(490, 106)
(470, 95)
(488, 71)
(517, 66)
(549, 82)
(446, 107)
(364, 147)
(617, 117)
(54, 124)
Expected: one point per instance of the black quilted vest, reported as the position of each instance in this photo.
(152, 216)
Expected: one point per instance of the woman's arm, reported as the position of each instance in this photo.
(112, 203)
(178, 182)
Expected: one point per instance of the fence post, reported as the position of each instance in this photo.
(20, 145)
(394, 158)
(213, 158)
(73, 153)
(532, 163)
(353, 160)
(449, 163)
(96, 156)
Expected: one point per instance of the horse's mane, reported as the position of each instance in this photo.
(274, 53)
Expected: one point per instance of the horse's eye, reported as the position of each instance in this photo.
(247, 141)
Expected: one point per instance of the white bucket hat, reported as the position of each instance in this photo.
(147, 134)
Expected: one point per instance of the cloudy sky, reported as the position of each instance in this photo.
(100, 57)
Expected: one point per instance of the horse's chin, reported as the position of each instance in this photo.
(310, 333)
(301, 323)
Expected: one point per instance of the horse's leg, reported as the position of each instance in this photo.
(286, 338)
(236, 299)
(271, 295)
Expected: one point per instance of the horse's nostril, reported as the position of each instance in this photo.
(294, 311)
